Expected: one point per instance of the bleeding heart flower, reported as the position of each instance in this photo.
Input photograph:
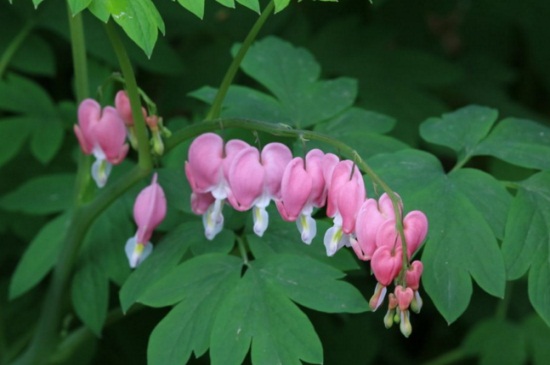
(101, 133)
(346, 193)
(149, 211)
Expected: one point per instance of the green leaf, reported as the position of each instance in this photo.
(292, 74)
(78, 5)
(200, 285)
(39, 257)
(46, 139)
(253, 5)
(176, 188)
(527, 233)
(520, 142)
(41, 195)
(228, 3)
(36, 3)
(13, 132)
(280, 5)
(497, 342)
(316, 287)
(244, 102)
(166, 255)
(461, 130)
(104, 243)
(100, 9)
(538, 337)
(21, 95)
(25, 59)
(90, 296)
(194, 6)
(283, 237)
(461, 242)
(222, 243)
(140, 20)
(258, 314)
(360, 129)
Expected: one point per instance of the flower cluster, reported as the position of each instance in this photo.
(102, 132)
(245, 178)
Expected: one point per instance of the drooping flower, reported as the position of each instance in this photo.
(346, 193)
(149, 211)
(206, 170)
(412, 277)
(369, 219)
(101, 133)
(255, 180)
(303, 188)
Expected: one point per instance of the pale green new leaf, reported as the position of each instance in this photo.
(194, 6)
(253, 5)
(257, 314)
(90, 296)
(39, 257)
(200, 285)
(78, 5)
(280, 5)
(41, 195)
(140, 20)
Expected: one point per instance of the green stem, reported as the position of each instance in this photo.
(502, 307)
(242, 250)
(234, 67)
(281, 130)
(144, 151)
(449, 357)
(13, 47)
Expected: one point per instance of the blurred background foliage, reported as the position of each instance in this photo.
(412, 60)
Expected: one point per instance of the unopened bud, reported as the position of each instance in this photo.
(405, 326)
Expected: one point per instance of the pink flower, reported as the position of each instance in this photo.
(206, 170)
(149, 211)
(346, 193)
(302, 189)
(415, 228)
(369, 219)
(413, 275)
(255, 180)
(404, 298)
(101, 133)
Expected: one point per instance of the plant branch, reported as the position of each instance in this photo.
(282, 130)
(144, 151)
(215, 110)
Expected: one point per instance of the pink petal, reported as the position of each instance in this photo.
(246, 178)
(149, 210)
(201, 202)
(203, 168)
(367, 224)
(404, 297)
(386, 264)
(340, 175)
(314, 167)
(295, 190)
(351, 196)
(274, 157)
(123, 107)
(110, 135)
(415, 225)
(413, 274)
(89, 112)
(231, 148)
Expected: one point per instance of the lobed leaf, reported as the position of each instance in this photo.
(13, 132)
(292, 74)
(166, 255)
(311, 283)
(461, 239)
(21, 95)
(520, 142)
(257, 314)
(194, 6)
(90, 296)
(47, 138)
(39, 257)
(41, 195)
(200, 285)
(461, 130)
(77, 6)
